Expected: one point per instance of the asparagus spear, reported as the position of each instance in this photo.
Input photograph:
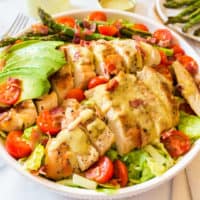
(187, 11)
(55, 37)
(50, 22)
(185, 20)
(192, 22)
(97, 36)
(197, 32)
(128, 32)
(179, 4)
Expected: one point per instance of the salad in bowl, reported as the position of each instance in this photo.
(99, 102)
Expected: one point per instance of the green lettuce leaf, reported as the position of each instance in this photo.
(144, 164)
(34, 161)
(190, 125)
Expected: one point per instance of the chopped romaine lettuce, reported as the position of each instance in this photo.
(27, 133)
(34, 161)
(146, 163)
(190, 125)
(112, 154)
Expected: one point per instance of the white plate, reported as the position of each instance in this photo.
(127, 191)
(165, 12)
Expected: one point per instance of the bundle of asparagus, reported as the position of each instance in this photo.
(64, 33)
(189, 16)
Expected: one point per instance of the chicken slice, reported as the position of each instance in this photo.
(58, 163)
(162, 88)
(21, 116)
(107, 60)
(151, 54)
(130, 52)
(47, 102)
(98, 132)
(84, 154)
(82, 62)
(100, 135)
(188, 87)
(61, 85)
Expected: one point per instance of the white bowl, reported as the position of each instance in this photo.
(127, 191)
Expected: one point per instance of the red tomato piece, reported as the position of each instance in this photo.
(112, 85)
(76, 93)
(164, 59)
(97, 16)
(178, 51)
(10, 91)
(164, 37)
(141, 27)
(189, 63)
(121, 172)
(16, 146)
(109, 30)
(49, 122)
(98, 80)
(176, 142)
(68, 21)
(102, 171)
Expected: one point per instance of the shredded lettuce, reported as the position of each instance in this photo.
(112, 154)
(34, 161)
(144, 164)
(190, 125)
(27, 133)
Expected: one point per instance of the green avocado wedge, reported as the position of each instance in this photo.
(42, 56)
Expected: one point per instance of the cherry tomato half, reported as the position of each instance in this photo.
(76, 93)
(163, 37)
(48, 122)
(140, 27)
(98, 80)
(16, 146)
(121, 172)
(10, 91)
(189, 63)
(176, 142)
(102, 171)
(68, 21)
(97, 16)
(109, 30)
(178, 51)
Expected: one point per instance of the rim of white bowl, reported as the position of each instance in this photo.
(78, 193)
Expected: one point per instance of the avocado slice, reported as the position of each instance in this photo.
(33, 84)
(33, 54)
(46, 66)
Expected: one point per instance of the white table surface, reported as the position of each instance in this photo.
(16, 187)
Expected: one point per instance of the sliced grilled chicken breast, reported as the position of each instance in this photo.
(188, 87)
(130, 52)
(47, 102)
(19, 117)
(127, 111)
(83, 154)
(100, 135)
(57, 160)
(107, 60)
(162, 88)
(61, 85)
(78, 115)
(151, 54)
(82, 62)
